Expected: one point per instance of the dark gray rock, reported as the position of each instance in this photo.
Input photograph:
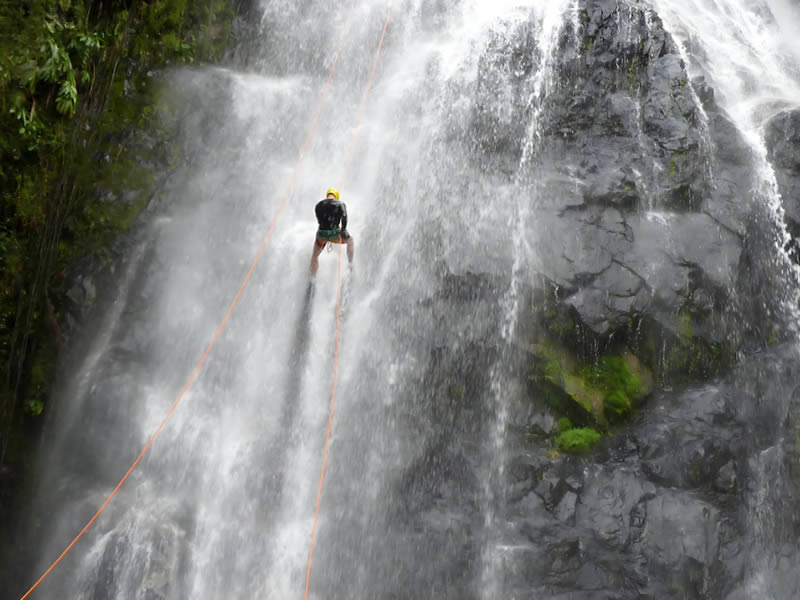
(686, 502)
(680, 527)
(609, 506)
(642, 184)
(685, 442)
(783, 140)
(726, 478)
(566, 509)
(654, 263)
(639, 187)
(782, 137)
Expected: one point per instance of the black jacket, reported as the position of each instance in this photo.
(329, 213)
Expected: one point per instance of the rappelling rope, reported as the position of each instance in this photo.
(345, 169)
(213, 342)
(224, 322)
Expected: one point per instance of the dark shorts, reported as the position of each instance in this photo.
(334, 236)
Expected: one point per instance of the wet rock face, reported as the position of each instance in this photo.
(672, 507)
(783, 147)
(639, 178)
(625, 136)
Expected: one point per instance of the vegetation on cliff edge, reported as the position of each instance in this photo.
(75, 81)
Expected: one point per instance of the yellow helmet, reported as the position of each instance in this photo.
(334, 192)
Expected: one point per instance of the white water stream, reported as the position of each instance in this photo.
(749, 53)
(223, 505)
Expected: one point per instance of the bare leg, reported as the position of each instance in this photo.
(315, 257)
(351, 249)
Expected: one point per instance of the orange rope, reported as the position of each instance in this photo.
(211, 345)
(359, 116)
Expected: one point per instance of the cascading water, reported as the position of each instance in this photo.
(747, 53)
(550, 21)
(223, 504)
(453, 170)
(742, 50)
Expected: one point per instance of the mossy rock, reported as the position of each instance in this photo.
(578, 441)
(597, 394)
(617, 406)
(580, 389)
(559, 322)
(624, 382)
(684, 353)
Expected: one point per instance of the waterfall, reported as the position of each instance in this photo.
(746, 54)
(223, 503)
(462, 197)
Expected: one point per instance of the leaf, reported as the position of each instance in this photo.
(67, 97)
(54, 65)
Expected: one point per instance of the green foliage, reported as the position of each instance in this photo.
(578, 441)
(616, 406)
(564, 424)
(42, 370)
(560, 324)
(633, 72)
(613, 375)
(75, 86)
(619, 385)
(677, 162)
(599, 394)
(684, 325)
(686, 356)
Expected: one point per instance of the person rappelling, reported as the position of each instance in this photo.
(332, 219)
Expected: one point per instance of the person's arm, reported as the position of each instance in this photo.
(344, 217)
(318, 212)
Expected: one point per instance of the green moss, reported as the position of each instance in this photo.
(564, 424)
(696, 471)
(584, 393)
(601, 394)
(42, 371)
(613, 375)
(578, 441)
(560, 324)
(633, 73)
(553, 397)
(773, 338)
(620, 379)
(457, 391)
(616, 406)
(589, 44)
(676, 162)
(683, 356)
